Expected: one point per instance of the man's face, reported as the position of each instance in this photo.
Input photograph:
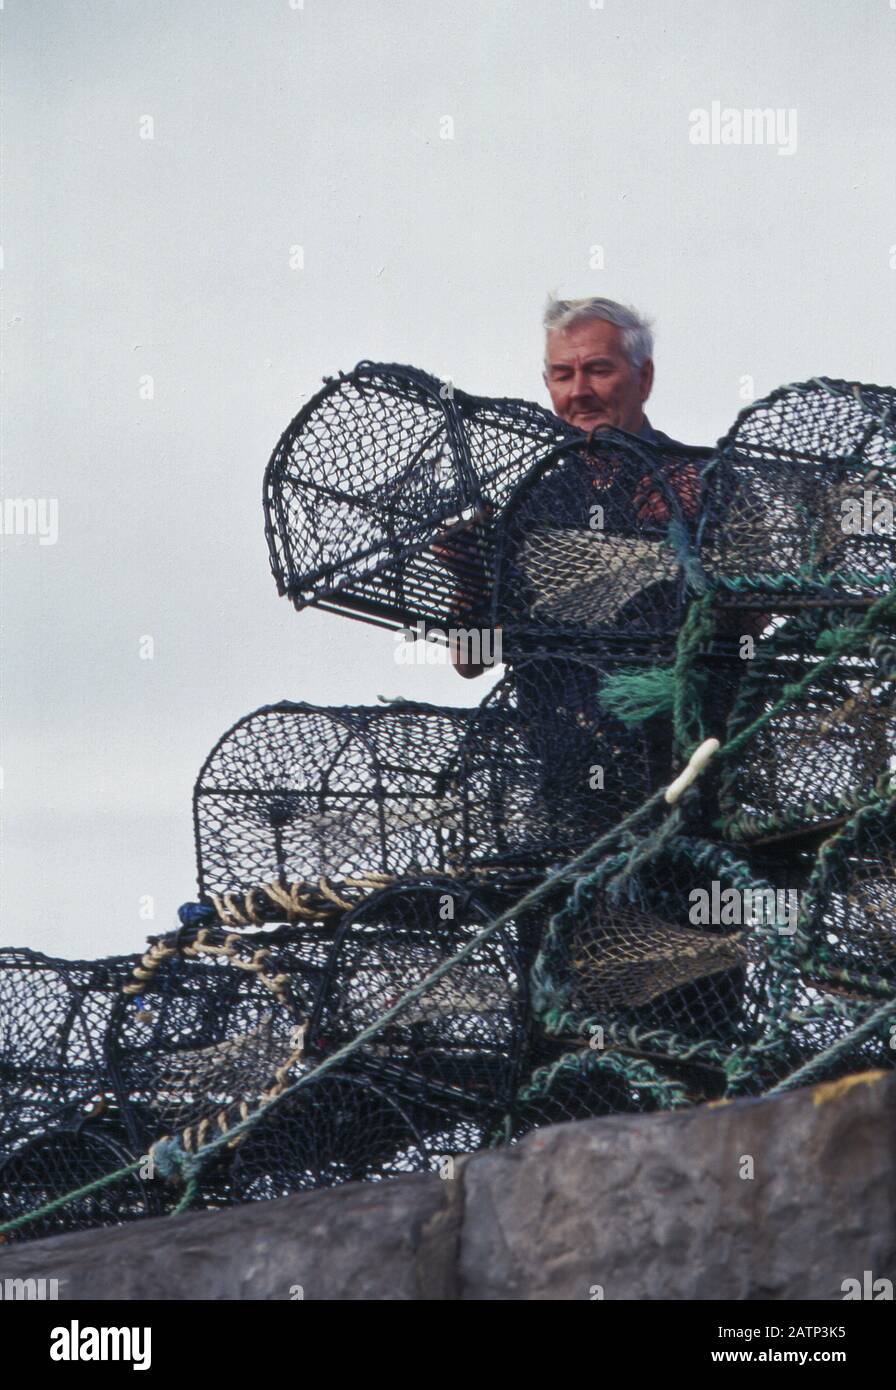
(590, 379)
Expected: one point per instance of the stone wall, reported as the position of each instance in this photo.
(628, 1207)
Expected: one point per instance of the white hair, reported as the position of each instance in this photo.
(637, 338)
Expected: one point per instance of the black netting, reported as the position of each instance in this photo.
(431, 989)
(360, 795)
(455, 1053)
(802, 495)
(375, 469)
(212, 1024)
(595, 540)
(293, 792)
(820, 754)
(585, 768)
(343, 1128)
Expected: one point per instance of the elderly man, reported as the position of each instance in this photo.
(565, 631)
(598, 369)
(598, 365)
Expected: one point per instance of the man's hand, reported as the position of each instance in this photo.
(462, 549)
(652, 507)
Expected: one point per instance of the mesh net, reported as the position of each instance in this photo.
(211, 1025)
(489, 918)
(591, 542)
(293, 792)
(818, 758)
(376, 469)
(800, 498)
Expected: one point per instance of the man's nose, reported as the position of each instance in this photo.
(581, 386)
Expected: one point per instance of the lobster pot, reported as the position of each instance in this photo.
(592, 543)
(218, 1021)
(373, 473)
(293, 792)
(115, 1054)
(148, 1045)
(341, 1127)
(571, 770)
(60, 1124)
(63, 1159)
(841, 963)
(821, 754)
(450, 1057)
(850, 916)
(800, 501)
(673, 952)
(55, 1017)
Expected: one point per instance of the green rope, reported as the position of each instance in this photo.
(697, 630)
(809, 582)
(850, 979)
(673, 1046)
(189, 1193)
(675, 691)
(815, 1068)
(633, 695)
(636, 1071)
(744, 827)
(836, 642)
(50, 1207)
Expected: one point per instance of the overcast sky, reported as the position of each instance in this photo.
(275, 125)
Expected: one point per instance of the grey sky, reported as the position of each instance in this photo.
(170, 257)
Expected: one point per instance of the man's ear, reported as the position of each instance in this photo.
(645, 378)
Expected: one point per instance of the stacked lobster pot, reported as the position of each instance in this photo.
(799, 546)
(394, 500)
(421, 930)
